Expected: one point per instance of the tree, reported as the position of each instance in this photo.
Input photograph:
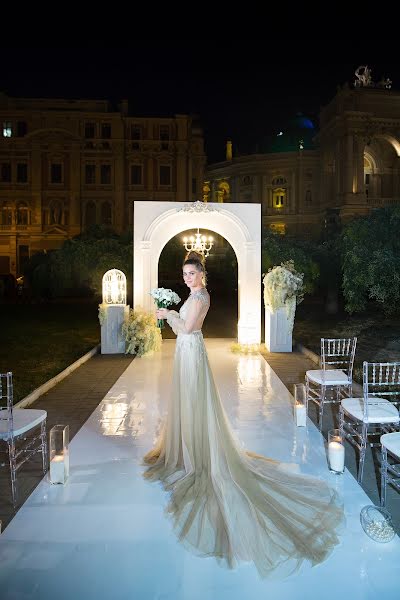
(371, 261)
(277, 249)
(79, 265)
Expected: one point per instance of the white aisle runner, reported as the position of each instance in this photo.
(104, 534)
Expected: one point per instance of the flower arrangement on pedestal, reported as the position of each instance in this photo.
(141, 333)
(283, 288)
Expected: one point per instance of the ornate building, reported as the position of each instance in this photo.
(305, 180)
(68, 164)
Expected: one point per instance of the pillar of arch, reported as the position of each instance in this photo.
(155, 223)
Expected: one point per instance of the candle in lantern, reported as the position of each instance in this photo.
(301, 416)
(57, 469)
(300, 404)
(336, 456)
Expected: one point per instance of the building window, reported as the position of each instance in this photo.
(22, 172)
(90, 174)
(279, 228)
(136, 175)
(6, 214)
(5, 172)
(279, 181)
(7, 129)
(165, 175)
(106, 213)
(106, 131)
(90, 129)
(308, 197)
(22, 128)
(22, 214)
(23, 258)
(136, 132)
(56, 173)
(105, 174)
(278, 197)
(164, 136)
(367, 178)
(90, 214)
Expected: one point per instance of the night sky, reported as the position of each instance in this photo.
(242, 90)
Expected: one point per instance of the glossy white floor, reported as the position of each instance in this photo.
(104, 534)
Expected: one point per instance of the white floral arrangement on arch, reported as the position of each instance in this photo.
(283, 288)
(141, 333)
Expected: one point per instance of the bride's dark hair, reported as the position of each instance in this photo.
(196, 259)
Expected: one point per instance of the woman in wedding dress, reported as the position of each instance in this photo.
(227, 502)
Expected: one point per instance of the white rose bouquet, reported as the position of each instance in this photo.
(163, 298)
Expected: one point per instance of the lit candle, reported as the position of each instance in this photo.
(57, 469)
(336, 456)
(301, 416)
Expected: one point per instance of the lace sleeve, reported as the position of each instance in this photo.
(188, 325)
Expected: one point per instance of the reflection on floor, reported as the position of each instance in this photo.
(104, 533)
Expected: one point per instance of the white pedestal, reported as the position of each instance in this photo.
(112, 340)
(278, 336)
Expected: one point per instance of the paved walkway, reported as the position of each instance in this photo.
(74, 399)
(71, 402)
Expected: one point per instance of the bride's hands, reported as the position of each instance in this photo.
(162, 313)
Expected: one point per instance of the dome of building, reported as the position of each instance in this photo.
(297, 134)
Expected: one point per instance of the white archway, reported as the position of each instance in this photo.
(155, 223)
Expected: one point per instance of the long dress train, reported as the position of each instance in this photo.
(226, 502)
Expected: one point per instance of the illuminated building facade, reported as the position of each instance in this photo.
(68, 164)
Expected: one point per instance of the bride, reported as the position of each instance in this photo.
(227, 502)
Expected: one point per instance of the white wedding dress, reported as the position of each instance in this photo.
(226, 502)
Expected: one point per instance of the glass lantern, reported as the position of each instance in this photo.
(114, 287)
(59, 453)
(335, 451)
(300, 404)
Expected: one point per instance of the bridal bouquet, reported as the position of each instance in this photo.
(164, 298)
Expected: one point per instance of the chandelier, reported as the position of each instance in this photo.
(199, 243)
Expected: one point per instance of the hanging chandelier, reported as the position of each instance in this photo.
(199, 243)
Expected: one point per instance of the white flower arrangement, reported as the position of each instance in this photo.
(283, 288)
(141, 333)
(164, 297)
(102, 313)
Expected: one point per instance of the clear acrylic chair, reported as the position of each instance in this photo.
(335, 375)
(17, 427)
(360, 419)
(390, 471)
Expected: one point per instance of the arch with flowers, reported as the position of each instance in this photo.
(155, 223)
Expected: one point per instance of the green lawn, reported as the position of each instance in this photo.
(39, 341)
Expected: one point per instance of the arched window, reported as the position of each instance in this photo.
(90, 214)
(6, 213)
(278, 197)
(279, 180)
(106, 213)
(22, 214)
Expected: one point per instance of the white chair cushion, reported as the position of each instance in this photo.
(24, 419)
(391, 441)
(328, 377)
(380, 410)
